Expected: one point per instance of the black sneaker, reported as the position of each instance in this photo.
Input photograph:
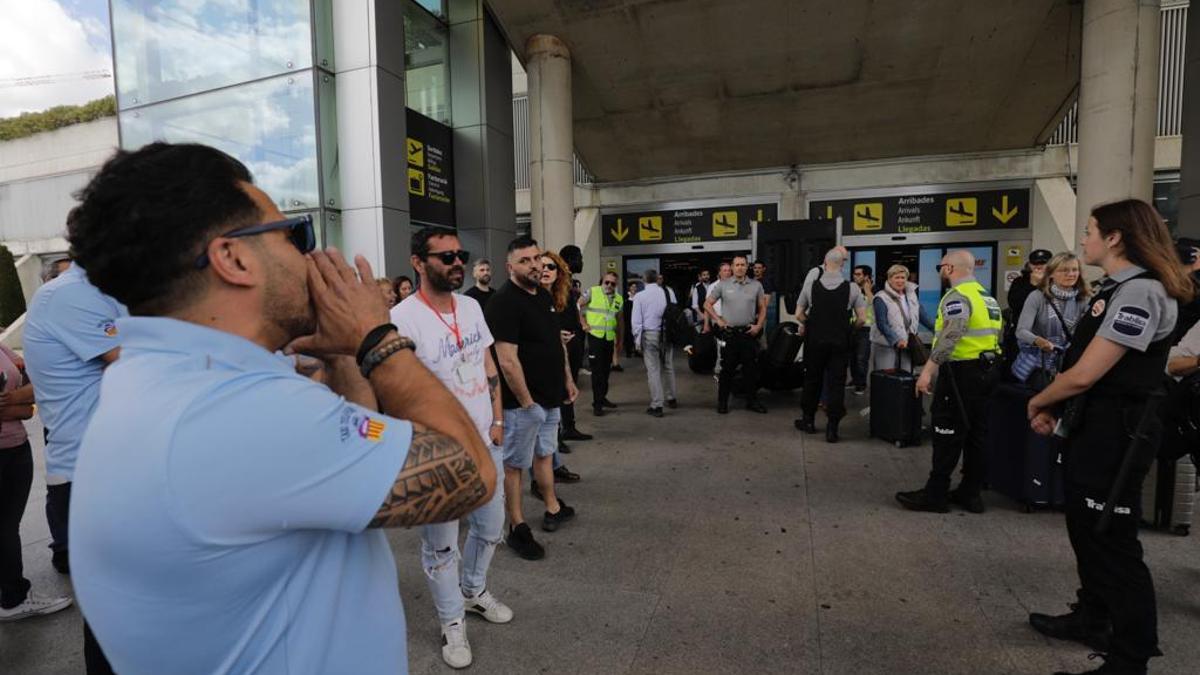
(755, 406)
(573, 434)
(972, 503)
(552, 521)
(520, 539)
(806, 425)
(654, 412)
(608, 404)
(919, 500)
(672, 403)
(618, 368)
(563, 448)
(1076, 626)
(598, 412)
(564, 475)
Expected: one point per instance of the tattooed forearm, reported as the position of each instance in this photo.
(494, 387)
(438, 483)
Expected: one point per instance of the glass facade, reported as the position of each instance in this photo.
(251, 77)
(426, 61)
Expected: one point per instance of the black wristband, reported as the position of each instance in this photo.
(372, 340)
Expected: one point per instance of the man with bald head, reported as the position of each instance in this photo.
(966, 349)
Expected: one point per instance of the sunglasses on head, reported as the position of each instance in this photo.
(300, 233)
(448, 257)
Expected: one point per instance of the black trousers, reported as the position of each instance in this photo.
(16, 476)
(1113, 578)
(600, 354)
(58, 506)
(824, 366)
(955, 436)
(575, 361)
(740, 350)
(860, 364)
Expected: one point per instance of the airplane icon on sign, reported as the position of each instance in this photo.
(961, 209)
(866, 215)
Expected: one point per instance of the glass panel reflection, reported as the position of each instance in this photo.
(269, 125)
(426, 64)
(169, 48)
(437, 7)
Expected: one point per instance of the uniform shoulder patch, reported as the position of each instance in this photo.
(1131, 320)
(1098, 307)
(954, 308)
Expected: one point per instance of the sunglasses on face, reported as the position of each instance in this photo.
(550, 266)
(448, 257)
(300, 233)
(609, 283)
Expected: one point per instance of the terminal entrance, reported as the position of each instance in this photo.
(679, 270)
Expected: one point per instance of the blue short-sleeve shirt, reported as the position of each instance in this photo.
(219, 510)
(70, 324)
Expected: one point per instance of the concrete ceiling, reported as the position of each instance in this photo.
(670, 87)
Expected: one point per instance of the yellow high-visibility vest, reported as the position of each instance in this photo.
(602, 313)
(983, 327)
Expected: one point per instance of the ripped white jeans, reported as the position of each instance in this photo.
(440, 557)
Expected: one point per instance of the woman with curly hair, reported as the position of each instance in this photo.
(556, 278)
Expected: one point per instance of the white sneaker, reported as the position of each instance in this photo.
(486, 605)
(456, 651)
(34, 605)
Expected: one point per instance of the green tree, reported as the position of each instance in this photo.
(12, 299)
(28, 124)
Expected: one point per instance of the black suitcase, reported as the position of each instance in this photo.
(786, 377)
(1022, 465)
(783, 345)
(704, 354)
(1169, 495)
(895, 408)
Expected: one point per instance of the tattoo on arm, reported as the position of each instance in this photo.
(439, 482)
(494, 386)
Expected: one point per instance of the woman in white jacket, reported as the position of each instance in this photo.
(898, 314)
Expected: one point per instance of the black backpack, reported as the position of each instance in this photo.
(677, 329)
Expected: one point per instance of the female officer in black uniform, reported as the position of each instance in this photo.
(1114, 364)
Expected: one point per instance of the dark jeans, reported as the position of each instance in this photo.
(860, 361)
(575, 360)
(740, 350)
(16, 475)
(600, 354)
(58, 506)
(824, 366)
(954, 436)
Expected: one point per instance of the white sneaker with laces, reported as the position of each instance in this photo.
(456, 651)
(486, 605)
(34, 605)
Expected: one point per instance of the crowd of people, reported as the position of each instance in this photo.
(258, 547)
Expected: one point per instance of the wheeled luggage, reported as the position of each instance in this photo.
(703, 358)
(1169, 495)
(784, 345)
(1021, 464)
(895, 407)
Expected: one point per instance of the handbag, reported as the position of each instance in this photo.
(916, 349)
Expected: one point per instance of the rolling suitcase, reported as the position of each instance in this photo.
(704, 354)
(784, 345)
(895, 409)
(1169, 495)
(1022, 465)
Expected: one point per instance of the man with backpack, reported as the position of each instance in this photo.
(655, 318)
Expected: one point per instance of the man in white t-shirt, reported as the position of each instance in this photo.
(454, 343)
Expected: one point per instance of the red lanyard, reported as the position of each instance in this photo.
(453, 312)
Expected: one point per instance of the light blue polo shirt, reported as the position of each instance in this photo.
(218, 514)
(68, 326)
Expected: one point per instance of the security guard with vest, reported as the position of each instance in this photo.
(1110, 385)
(967, 346)
(604, 322)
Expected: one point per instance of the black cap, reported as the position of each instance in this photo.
(1040, 256)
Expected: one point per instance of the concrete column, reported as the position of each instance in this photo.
(552, 207)
(1118, 100)
(481, 114)
(1189, 187)
(369, 60)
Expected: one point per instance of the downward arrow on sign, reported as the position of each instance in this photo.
(620, 232)
(1004, 214)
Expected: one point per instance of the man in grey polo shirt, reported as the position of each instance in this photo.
(740, 321)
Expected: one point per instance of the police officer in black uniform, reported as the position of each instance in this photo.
(1112, 373)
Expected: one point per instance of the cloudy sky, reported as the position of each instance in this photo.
(52, 37)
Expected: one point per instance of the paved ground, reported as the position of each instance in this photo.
(732, 544)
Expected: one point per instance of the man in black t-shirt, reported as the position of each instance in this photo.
(481, 292)
(535, 381)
